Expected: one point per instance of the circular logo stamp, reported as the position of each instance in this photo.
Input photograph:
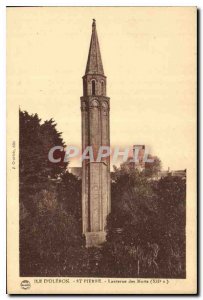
(25, 284)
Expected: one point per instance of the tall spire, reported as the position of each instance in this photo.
(94, 62)
(95, 109)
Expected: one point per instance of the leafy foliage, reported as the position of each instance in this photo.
(145, 230)
(49, 201)
(152, 169)
(36, 171)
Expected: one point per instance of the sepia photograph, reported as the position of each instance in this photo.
(101, 143)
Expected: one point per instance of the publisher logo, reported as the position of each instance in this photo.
(25, 284)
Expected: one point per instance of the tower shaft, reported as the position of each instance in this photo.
(95, 133)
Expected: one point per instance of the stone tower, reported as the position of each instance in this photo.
(95, 133)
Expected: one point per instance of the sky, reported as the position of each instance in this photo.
(149, 58)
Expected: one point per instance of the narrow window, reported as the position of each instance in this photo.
(102, 88)
(84, 88)
(93, 87)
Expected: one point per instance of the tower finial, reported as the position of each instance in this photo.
(94, 23)
(94, 62)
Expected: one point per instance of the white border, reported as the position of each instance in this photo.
(3, 145)
(3, 4)
(101, 3)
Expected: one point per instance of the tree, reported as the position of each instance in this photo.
(131, 238)
(50, 209)
(48, 238)
(152, 169)
(171, 192)
(146, 228)
(36, 171)
(69, 194)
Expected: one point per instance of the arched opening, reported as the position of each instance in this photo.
(94, 104)
(93, 87)
(102, 88)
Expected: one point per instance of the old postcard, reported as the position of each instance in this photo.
(101, 150)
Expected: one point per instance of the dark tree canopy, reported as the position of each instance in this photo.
(50, 208)
(145, 230)
(36, 140)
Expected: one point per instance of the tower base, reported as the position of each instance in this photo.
(95, 239)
